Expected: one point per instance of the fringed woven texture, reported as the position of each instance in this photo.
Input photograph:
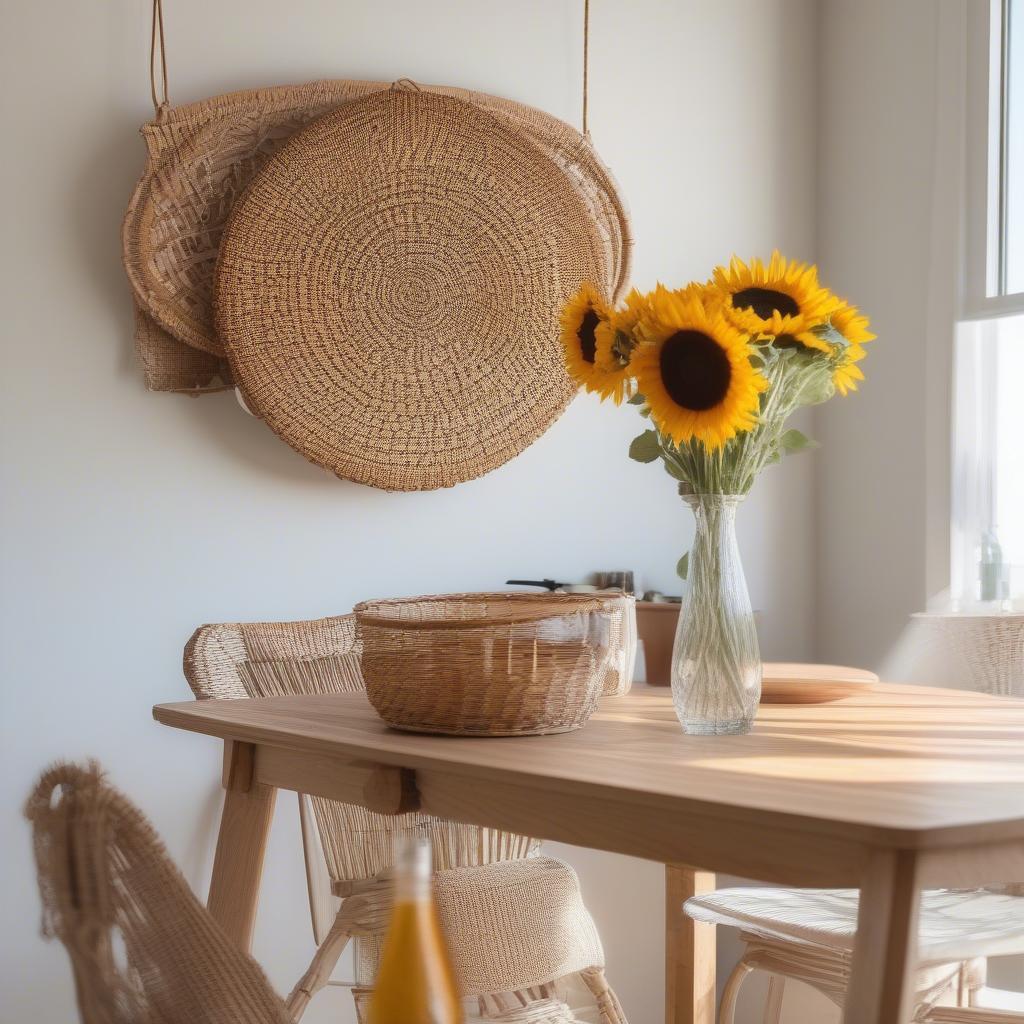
(828, 971)
(143, 949)
(982, 652)
(388, 290)
(623, 640)
(511, 926)
(515, 925)
(201, 157)
(228, 661)
(487, 664)
(169, 365)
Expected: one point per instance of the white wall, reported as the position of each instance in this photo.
(877, 146)
(129, 518)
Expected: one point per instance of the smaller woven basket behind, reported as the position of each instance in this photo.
(487, 664)
(622, 663)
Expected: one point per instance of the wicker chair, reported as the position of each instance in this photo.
(143, 949)
(348, 849)
(808, 935)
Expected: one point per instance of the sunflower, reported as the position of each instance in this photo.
(582, 315)
(782, 300)
(854, 326)
(616, 338)
(694, 370)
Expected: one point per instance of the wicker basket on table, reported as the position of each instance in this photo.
(487, 664)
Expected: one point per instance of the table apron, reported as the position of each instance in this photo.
(779, 853)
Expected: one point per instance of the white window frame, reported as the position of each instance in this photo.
(981, 296)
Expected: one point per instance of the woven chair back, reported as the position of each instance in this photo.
(264, 659)
(143, 949)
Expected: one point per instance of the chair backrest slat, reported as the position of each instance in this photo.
(317, 656)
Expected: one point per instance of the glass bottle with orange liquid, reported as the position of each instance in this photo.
(415, 983)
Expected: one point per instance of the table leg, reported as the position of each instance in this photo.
(689, 950)
(881, 989)
(241, 845)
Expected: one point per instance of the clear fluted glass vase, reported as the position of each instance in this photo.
(716, 661)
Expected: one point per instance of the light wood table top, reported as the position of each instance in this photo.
(891, 765)
(891, 789)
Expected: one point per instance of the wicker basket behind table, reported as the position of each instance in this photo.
(487, 664)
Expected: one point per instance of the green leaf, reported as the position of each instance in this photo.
(675, 471)
(644, 447)
(683, 566)
(795, 441)
(637, 399)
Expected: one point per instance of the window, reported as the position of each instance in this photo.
(988, 458)
(1011, 137)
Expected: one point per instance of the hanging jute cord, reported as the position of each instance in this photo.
(586, 63)
(156, 46)
(158, 60)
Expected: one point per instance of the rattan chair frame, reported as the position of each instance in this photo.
(237, 660)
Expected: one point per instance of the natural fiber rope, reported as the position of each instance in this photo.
(158, 53)
(586, 63)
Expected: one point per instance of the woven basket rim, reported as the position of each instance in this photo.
(534, 608)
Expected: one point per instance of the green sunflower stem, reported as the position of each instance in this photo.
(716, 663)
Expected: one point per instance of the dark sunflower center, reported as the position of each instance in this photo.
(695, 369)
(588, 339)
(765, 301)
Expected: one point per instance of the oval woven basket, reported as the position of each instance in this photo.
(389, 286)
(202, 155)
(486, 664)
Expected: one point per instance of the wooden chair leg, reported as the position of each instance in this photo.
(361, 996)
(773, 1001)
(727, 1014)
(881, 989)
(321, 967)
(608, 1005)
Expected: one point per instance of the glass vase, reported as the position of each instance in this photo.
(716, 662)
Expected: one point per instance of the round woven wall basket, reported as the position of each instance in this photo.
(388, 289)
(201, 157)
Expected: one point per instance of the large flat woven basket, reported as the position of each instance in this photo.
(388, 289)
(487, 664)
(202, 156)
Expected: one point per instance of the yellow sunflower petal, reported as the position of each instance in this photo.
(782, 299)
(694, 370)
(581, 317)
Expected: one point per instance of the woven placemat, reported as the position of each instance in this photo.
(202, 155)
(388, 289)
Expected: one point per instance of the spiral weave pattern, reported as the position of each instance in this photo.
(201, 157)
(388, 290)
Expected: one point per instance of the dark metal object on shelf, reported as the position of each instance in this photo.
(545, 584)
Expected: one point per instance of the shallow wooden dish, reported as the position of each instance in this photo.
(794, 683)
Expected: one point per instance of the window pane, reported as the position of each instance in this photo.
(988, 495)
(1013, 186)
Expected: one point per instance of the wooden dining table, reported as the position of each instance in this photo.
(888, 788)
